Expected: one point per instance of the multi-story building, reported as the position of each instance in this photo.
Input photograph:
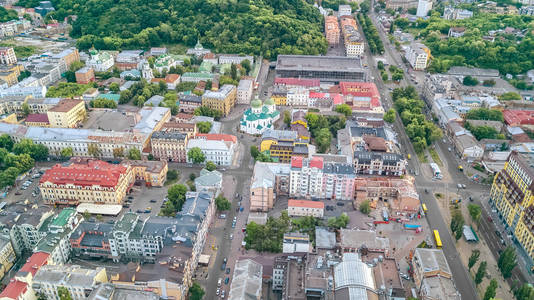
(151, 173)
(7, 255)
(423, 7)
(354, 44)
(400, 194)
(169, 146)
(20, 287)
(282, 145)
(190, 102)
(344, 10)
(14, 27)
(189, 128)
(418, 55)
(92, 181)
(30, 86)
(331, 30)
(331, 69)
(7, 56)
(78, 281)
(244, 91)
(222, 100)
(512, 196)
(289, 83)
(10, 73)
(196, 77)
(85, 75)
(404, 4)
(268, 181)
(129, 60)
(218, 148)
(100, 61)
(234, 59)
(68, 113)
(379, 163)
(91, 239)
(303, 208)
(316, 179)
(247, 280)
(432, 275)
(69, 56)
(298, 96)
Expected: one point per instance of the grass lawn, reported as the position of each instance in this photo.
(21, 51)
(435, 156)
(422, 157)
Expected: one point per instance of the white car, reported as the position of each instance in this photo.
(218, 292)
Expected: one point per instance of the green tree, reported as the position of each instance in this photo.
(488, 82)
(481, 272)
(507, 261)
(103, 103)
(204, 127)
(196, 155)
(475, 211)
(475, 254)
(8, 176)
(67, 152)
(524, 292)
(233, 72)
(397, 76)
(172, 175)
(94, 150)
(491, 290)
(385, 76)
(125, 97)
(380, 65)
(118, 152)
(6, 142)
(25, 109)
(211, 166)
(390, 116)
(246, 66)
(510, 96)
(134, 154)
(339, 222)
(86, 215)
(365, 207)
(457, 223)
(484, 114)
(323, 140)
(254, 152)
(36, 151)
(287, 117)
(344, 109)
(176, 196)
(470, 81)
(196, 292)
(222, 203)
(63, 293)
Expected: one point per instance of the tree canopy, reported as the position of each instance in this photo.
(7, 14)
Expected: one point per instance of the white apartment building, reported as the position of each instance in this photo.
(7, 56)
(418, 56)
(297, 97)
(306, 178)
(423, 7)
(218, 151)
(234, 59)
(244, 91)
(30, 86)
(303, 208)
(344, 10)
(354, 47)
(14, 27)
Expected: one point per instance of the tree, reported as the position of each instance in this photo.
(397, 76)
(6, 142)
(233, 72)
(484, 114)
(125, 97)
(134, 154)
(86, 215)
(481, 272)
(103, 103)
(8, 176)
(470, 81)
(176, 195)
(25, 109)
(344, 109)
(365, 207)
(254, 152)
(475, 211)
(246, 65)
(63, 293)
(339, 222)
(457, 223)
(390, 116)
(385, 76)
(204, 127)
(491, 290)
(196, 155)
(488, 82)
(287, 117)
(323, 140)
(118, 152)
(380, 65)
(211, 166)
(507, 261)
(510, 96)
(36, 151)
(94, 150)
(172, 175)
(196, 292)
(67, 152)
(114, 87)
(524, 292)
(222, 203)
(475, 254)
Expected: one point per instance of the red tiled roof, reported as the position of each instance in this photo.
(37, 118)
(518, 117)
(95, 172)
(65, 105)
(316, 162)
(305, 203)
(14, 289)
(297, 81)
(361, 89)
(172, 78)
(217, 137)
(35, 262)
(296, 161)
(184, 116)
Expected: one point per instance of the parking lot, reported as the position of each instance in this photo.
(26, 189)
(143, 198)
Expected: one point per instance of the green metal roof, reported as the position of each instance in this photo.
(61, 219)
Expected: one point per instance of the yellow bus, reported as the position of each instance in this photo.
(424, 207)
(438, 239)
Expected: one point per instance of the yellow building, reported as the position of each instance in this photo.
(152, 173)
(10, 73)
(279, 96)
(512, 196)
(283, 144)
(222, 100)
(86, 181)
(9, 118)
(68, 113)
(7, 256)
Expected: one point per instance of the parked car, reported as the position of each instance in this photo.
(139, 211)
(227, 280)
(152, 201)
(227, 271)
(340, 204)
(222, 295)
(218, 291)
(231, 236)
(219, 282)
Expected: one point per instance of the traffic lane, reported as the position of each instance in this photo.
(463, 281)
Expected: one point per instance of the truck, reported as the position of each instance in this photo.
(411, 226)
(385, 215)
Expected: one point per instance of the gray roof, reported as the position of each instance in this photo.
(279, 134)
(208, 179)
(67, 275)
(244, 84)
(264, 174)
(197, 203)
(168, 135)
(357, 131)
(190, 98)
(318, 63)
(221, 94)
(338, 168)
(92, 240)
(387, 158)
(355, 276)
(154, 100)
(324, 239)
(476, 72)
(431, 260)
(247, 280)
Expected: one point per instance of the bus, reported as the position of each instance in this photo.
(424, 207)
(438, 239)
(436, 172)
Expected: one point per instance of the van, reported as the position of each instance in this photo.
(219, 282)
(222, 216)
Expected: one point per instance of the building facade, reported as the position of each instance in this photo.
(379, 163)
(244, 91)
(217, 148)
(68, 113)
(304, 208)
(222, 100)
(169, 146)
(259, 117)
(7, 56)
(418, 55)
(331, 29)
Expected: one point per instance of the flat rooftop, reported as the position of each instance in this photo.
(318, 63)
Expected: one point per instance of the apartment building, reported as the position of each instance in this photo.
(283, 144)
(20, 286)
(169, 146)
(188, 128)
(297, 96)
(68, 113)
(512, 196)
(331, 29)
(433, 276)
(129, 60)
(92, 181)
(10, 73)
(304, 208)
(7, 255)
(85, 75)
(247, 280)
(222, 100)
(314, 178)
(244, 91)
(14, 27)
(379, 163)
(69, 56)
(151, 173)
(268, 181)
(354, 44)
(78, 281)
(188, 103)
(235, 59)
(7, 56)
(218, 148)
(91, 239)
(418, 55)
(404, 4)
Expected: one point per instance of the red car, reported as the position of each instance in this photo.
(490, 219)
